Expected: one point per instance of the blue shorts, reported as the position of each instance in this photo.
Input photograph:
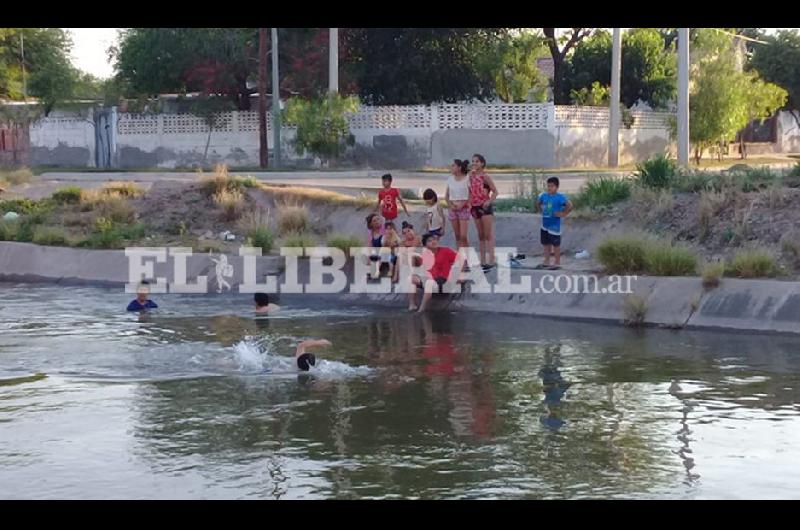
(435, 232)
(549, 239)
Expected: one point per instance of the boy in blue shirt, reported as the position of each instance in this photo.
(142, 301)
(554, 206)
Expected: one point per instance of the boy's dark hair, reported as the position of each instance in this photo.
(426, 237)
(406, 224)
(261, 299)
(144, 282)
(553, 180)
(305, 361)
(387, 176)
(430, 195)
(387, 224)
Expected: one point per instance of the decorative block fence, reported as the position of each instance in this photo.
(524, 134)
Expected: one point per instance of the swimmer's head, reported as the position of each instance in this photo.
(261, 299)
(306, 361)
(143, 291)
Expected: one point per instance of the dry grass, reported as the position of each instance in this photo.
(296, 194)
(293, 218)
(650, 203)
(634, 310)
(790, 244)
(230, 201)
(253, 220)
(15, 177)
(123, 189)
(709, 204)
(712, 274)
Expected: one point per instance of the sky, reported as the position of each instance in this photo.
(90, 45)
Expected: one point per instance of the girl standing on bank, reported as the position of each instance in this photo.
(483, 192)
(458, 200)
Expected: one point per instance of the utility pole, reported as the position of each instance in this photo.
(22, 63)
(276, 102)
(683, 96)
(613, 126)
(333, 60)
(263, 148)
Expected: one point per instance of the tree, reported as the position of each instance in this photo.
(761, 100)
(408, 66)
(560, 48)
(517, 78)
(724, 99)
(49, 75)
(322, 126)
(648, 66)
(778, 62)
(215, 61)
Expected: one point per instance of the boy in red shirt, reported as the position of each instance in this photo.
(443, 260)
(387, 199)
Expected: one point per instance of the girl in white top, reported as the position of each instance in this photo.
(457, 198)
(434, 216)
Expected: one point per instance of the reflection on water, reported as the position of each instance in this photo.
(202, 401)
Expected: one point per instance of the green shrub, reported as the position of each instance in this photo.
(107, 234)
(623, 254)
(524, 197)
(602, 192)
(67, 195)
(262, 237)
(657, 172)
(299, 239)
(50, 235)
(344, 243)
(668, 260)
(752, 264)
(409, 194)
(9, 230)
(24, 206)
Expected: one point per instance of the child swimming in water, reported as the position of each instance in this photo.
(142, 301)
(306, 360)
(263, 305)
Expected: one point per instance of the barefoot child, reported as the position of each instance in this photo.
(554, 206)
(434, 215)
(391, 240)
(387, 199)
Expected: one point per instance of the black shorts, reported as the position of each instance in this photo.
(439, 282)
(480, 211)
(549, 239)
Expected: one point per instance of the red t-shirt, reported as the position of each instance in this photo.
(443, 262)
(388, 200)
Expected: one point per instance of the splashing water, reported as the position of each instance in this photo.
(255, 356)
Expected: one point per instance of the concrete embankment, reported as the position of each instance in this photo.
(676, 302)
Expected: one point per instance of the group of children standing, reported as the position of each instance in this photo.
(470, 194)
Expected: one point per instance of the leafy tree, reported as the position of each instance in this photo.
(50, 77)
(595, 96)
(322, 126)
(723, 98)
(517, 78)
(648, 66)
(778, 62)
(215, 61)
(407, 66)
(560, 48)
